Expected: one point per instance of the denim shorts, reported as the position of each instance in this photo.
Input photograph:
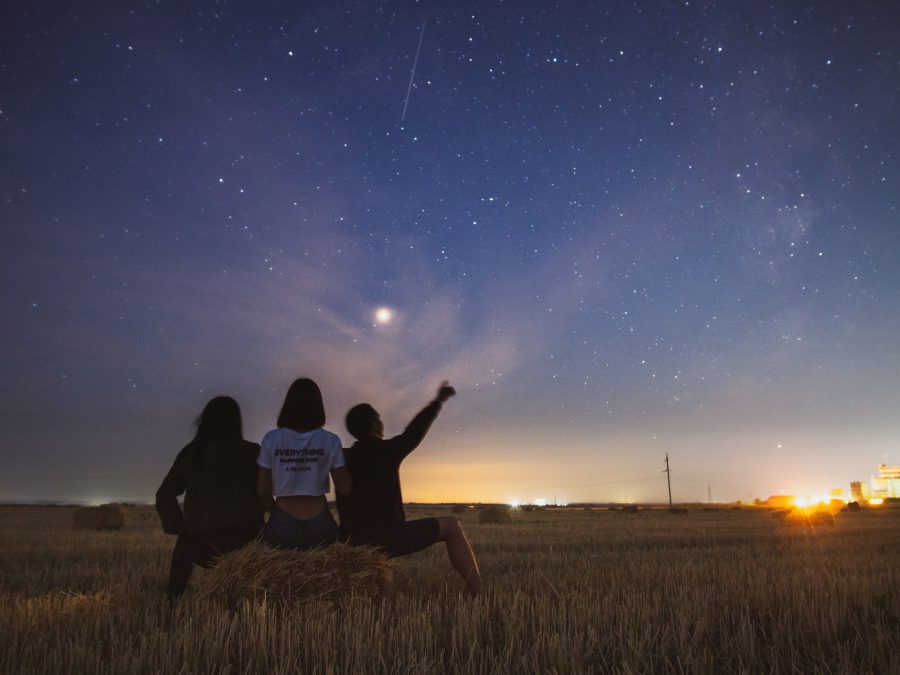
(285, 531)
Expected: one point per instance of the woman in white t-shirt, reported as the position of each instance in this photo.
(295, 461)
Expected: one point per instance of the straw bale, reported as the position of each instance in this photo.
(494, 515)
(103, 517)
(289, 576)
(821, 518)
(804, 518)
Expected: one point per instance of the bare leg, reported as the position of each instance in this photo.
(460, 552)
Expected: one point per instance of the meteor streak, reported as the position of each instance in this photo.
(413, 73)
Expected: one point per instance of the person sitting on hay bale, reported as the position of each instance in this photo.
(217, 474)
(373, 513)
(294, 463)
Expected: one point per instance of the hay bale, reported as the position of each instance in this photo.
(821, 518)
(853, 506)
(288, 576)
(806, 518)
(103, 517)
(495, 515)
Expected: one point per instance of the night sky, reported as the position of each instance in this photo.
(619, 229)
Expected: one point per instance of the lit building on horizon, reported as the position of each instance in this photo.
(887, 485)
(884, 486)
(859, 491)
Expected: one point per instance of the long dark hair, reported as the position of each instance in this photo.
(220, 421)
(303, 407)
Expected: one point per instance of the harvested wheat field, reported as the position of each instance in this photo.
(567, 591)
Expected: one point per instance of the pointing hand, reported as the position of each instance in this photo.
(445, 392)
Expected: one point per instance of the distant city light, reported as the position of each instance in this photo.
(803, 501)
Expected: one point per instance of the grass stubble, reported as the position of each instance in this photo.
(567, 592)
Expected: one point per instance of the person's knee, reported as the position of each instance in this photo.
(450, 527)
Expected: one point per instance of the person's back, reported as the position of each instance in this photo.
(376, 503)
(300, 462)
(221, 485)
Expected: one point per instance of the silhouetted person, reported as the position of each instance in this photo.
(217, 474)
(373, 514)
(295, 461)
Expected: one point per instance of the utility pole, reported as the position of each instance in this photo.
(708, 493)
(668, 473)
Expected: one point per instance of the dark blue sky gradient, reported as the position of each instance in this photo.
(619, 231)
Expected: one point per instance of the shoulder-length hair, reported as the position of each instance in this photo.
(303, 407)
(220, 421)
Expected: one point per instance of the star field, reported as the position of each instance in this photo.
(618, 231)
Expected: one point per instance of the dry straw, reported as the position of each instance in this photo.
(103, 517)
(289, 576)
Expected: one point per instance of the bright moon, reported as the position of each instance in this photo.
(383, 315)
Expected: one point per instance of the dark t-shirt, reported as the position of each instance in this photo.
(375, 503)
(218, 479)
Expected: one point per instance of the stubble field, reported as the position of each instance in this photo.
(567, 591)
